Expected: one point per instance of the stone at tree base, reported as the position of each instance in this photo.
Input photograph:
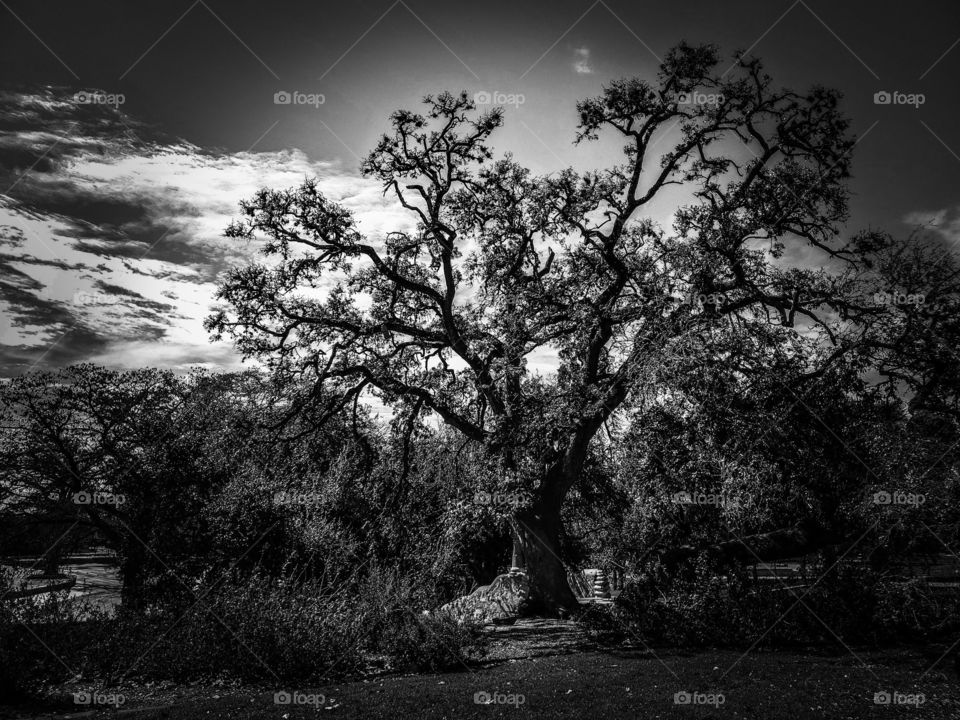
(506, 597)
(580, 583)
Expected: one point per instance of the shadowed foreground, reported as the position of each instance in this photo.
(622, 684)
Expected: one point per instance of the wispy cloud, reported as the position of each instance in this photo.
(114, 233)
(581, 61)
(944, 223)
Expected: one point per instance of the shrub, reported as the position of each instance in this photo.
(912, 608)
(710, 606)
(40, 641)
(255, 629)
(400, 630)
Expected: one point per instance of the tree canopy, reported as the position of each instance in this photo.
(498, 263)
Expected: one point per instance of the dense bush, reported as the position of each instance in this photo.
(255, 630)
(262, 629)
(913, 609)
(42, 642)
(708, 607)
(267, 549)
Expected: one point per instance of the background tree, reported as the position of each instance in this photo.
(132, 456)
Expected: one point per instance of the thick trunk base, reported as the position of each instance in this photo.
(536, 586)
(536, 538)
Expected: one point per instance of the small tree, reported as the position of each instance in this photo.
(442, 317)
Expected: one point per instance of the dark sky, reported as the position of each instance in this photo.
(199, 79)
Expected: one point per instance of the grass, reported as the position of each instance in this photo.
(606, 685)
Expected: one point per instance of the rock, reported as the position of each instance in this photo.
(505, 598)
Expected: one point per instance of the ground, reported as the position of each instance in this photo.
(549, 669)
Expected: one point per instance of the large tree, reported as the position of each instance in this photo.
(497, 264)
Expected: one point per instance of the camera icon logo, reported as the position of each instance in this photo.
(482, 98)
(684, 98)
(82, 498)
(482, 698)
(83, 97)
(881, 698)
(82, 698)
(682, 698)
(282, 98)
(882, 498)
(882, 98)
(282, 698)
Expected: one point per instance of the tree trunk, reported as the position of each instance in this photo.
(536, 551)
(132, 566)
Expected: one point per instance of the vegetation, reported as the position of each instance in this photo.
(745, 385)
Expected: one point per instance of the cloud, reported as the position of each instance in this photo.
(581, 62)
(76, 344)
(111, 233)
(178, 355)
(944, 224)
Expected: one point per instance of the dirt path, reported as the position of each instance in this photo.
(530, 638)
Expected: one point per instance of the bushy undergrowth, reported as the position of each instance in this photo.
(39, 642)
(255, 630)
(710, 608)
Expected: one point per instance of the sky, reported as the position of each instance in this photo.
(112, 211)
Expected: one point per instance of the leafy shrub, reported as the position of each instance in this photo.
(912, 609)
(711, 606)
(40, 639)
(254, 630)
(408, 637)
